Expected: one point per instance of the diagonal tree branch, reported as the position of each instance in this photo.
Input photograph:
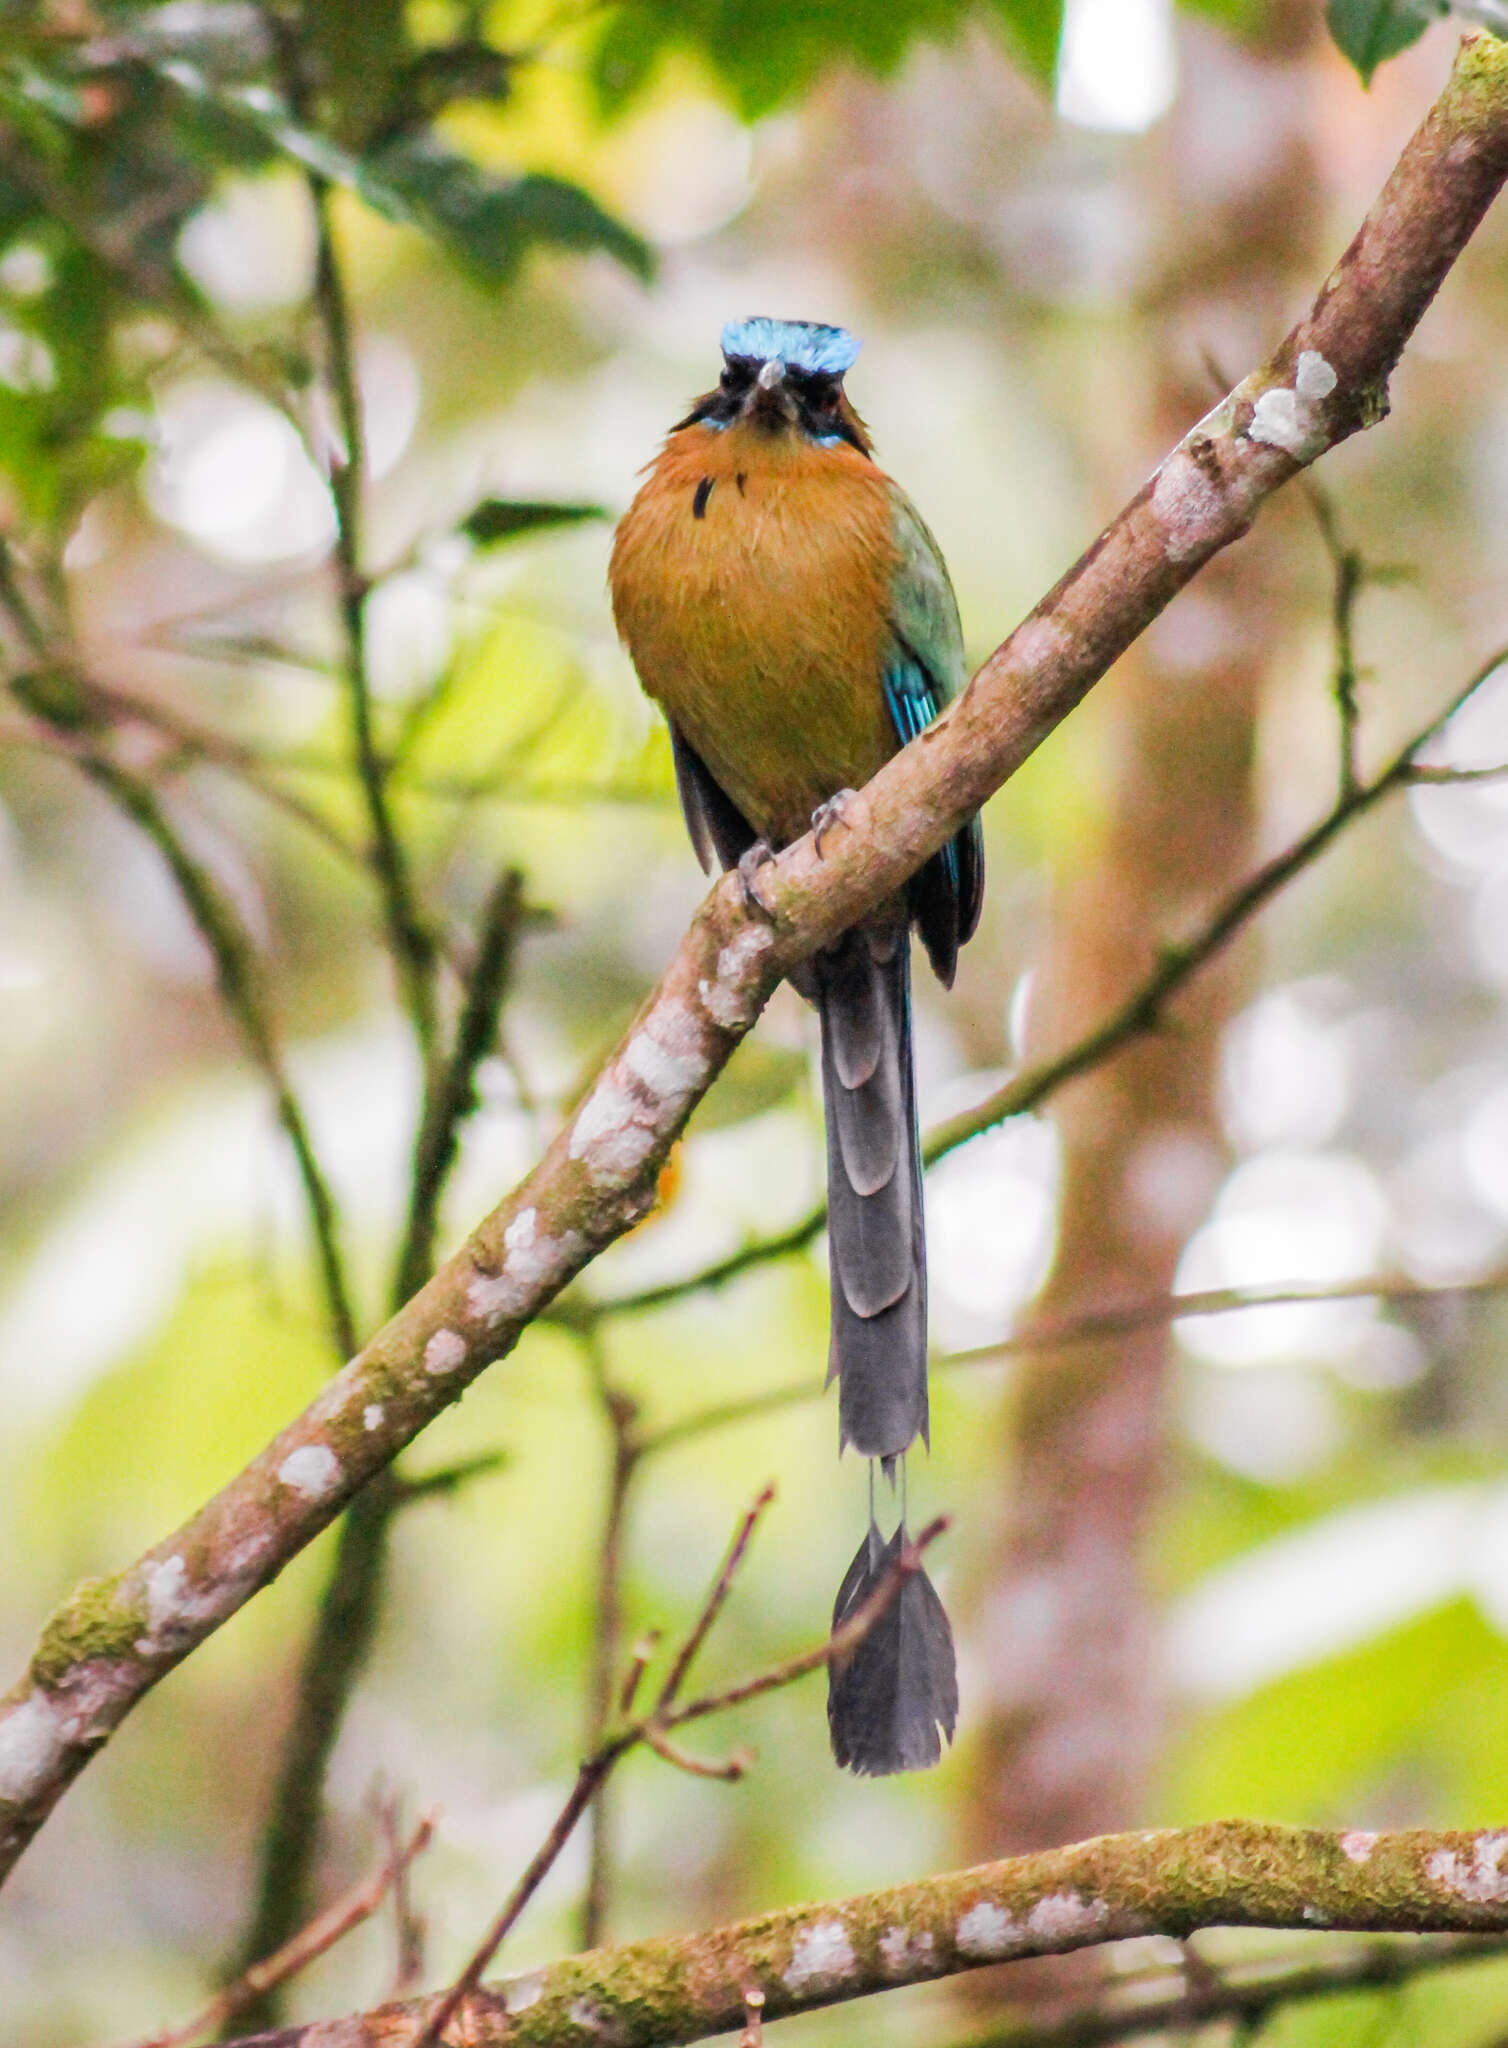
(114, 1638)
(1174, 1881)
(1144, 1009)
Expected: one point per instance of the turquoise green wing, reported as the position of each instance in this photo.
(924, 671)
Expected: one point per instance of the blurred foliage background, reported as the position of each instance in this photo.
(1256, 1564)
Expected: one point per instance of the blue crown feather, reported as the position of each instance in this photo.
(800, 344)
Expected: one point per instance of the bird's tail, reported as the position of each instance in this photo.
(892, 1696)
(876, 1246)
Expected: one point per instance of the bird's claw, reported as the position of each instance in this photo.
(829, 814)
(758, 856)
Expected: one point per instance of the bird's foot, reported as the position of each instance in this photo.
(758, 856)
(829, 814)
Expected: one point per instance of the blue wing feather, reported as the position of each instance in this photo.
(924, 672)
(912, 701)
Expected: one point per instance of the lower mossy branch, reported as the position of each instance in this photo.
(1173, 1881)
(1324, 382)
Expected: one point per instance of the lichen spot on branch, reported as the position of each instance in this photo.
(1294, 420)
(1063, 1920)
(313, 1470)
(596, 2019)
(731, 996)
(169, 1603)
(1358, 1845)
(634, 1108)
(32, 1741)
(519, 1993)
(1188, 497)
(822, 1958)
(665, 1057)
(987, 1932)
(445, 1352)
(1483, 1880)
(907, 1954)
(533, 1264)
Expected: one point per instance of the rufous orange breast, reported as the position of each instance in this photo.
(751, 581)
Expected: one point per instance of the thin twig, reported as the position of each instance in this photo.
(452, 1096)
(1246, 1993)
(215, 918)
(607, 1637)
(412, 944)
(661, 1720)
(448, 1479)
(1350, 574)
(236, 974)
(729, 1770)
(1093, 1326)
(841, 1643)
(296, 1954)
(195, 742)
(722, 1585)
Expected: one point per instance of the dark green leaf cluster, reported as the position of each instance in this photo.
(112, 137)
(767, 52)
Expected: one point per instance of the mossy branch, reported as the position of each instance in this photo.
(1172, 1881)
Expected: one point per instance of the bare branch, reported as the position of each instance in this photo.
(722, 1585)
(303, 1948)
(653, 1730)
(1095, 1326)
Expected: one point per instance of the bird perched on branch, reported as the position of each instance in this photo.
(786, 606)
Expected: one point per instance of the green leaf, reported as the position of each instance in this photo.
(498, 519)
(489, 221)
(767, 53)
(1034, 29)
(1370, 31)
(416, 179)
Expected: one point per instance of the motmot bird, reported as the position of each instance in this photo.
(786, 606)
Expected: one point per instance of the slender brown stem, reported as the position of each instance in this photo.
(722, 1586)
(607, 1649)
(230, 948)
(1095, 1326)
(409, 938)
(451, 1098)
(653, 1729)
(1246, 1993)
(306, 1946)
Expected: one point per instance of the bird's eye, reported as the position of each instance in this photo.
(737, 376)
(816, 389)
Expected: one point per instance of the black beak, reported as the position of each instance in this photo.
(770, 402)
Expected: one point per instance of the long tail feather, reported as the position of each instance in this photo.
(891, 1700)
(876, 1244)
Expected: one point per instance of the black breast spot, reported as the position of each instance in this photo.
(703, 493)
(742, 480)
